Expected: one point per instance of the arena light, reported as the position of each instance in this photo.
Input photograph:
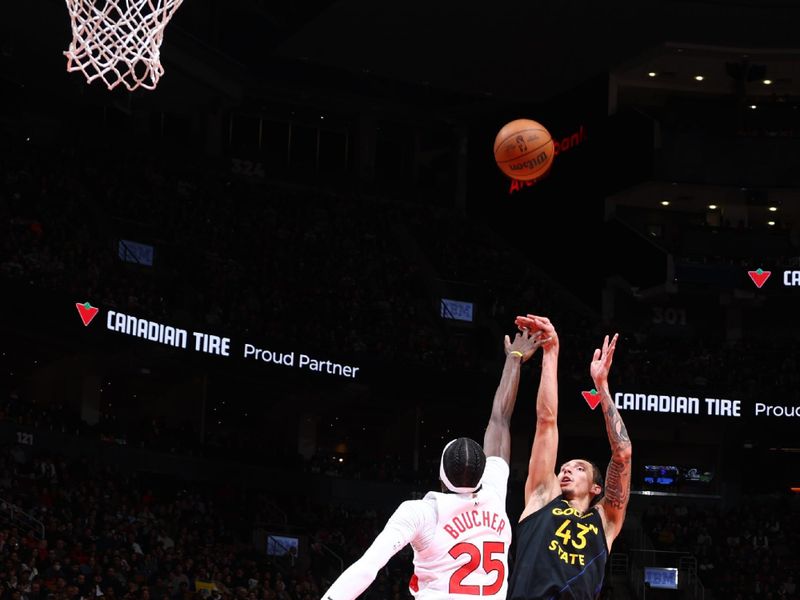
(767, 82)
(652, 74)
(699, 78)
(665, 203)
(712, 207)
(771, 223)
(773, 209)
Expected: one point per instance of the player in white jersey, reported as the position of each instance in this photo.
(461, 535)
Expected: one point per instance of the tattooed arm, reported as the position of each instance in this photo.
(618, 474)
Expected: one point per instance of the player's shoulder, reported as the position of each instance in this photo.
(495, 476)
(420, 515)
(423, 507)
(539, 501)
(496, 469)
(497, 463)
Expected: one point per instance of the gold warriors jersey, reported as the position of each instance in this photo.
(560, 554)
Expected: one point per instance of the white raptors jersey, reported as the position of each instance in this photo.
(462, 550)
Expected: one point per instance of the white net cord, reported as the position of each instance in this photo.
(119, 41)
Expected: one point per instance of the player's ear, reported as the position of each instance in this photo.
(596, 489)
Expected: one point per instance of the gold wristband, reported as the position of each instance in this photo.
(516, 353)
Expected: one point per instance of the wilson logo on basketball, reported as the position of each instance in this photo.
(563, 145)
(523, 149)
(530, 163)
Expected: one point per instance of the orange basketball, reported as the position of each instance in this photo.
(524, 149)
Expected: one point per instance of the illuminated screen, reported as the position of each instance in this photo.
(136, 253)
(664, 578)
(661, 475)
(456, 310)
(281, 545)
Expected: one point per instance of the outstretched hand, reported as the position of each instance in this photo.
(525, 342)
(542, 325)
(601, 361)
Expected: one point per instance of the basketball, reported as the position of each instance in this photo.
(524, 149)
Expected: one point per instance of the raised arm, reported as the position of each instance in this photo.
(401, 528)
(618, 475)
(541, 485)
(497, 439)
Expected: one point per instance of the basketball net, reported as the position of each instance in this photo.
(119, 41)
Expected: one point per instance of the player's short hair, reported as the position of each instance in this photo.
(462, 465)
(597, 478)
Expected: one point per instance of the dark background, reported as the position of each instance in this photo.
(316, 178)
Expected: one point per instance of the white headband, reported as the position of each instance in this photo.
(446, 481)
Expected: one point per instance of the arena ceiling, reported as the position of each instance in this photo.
(525, 50)
(516, 50)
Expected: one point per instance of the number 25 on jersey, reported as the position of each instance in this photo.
(490, 565)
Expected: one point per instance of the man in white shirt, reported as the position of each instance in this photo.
(460, 536)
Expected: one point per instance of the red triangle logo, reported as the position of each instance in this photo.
(592, 398)
(759, 277)
(87, 312)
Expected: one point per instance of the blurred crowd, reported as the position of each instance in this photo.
(81, 530)
(228, 255)
(69, 245)
(347, 274)
(746, 552)
(89, 531)
(285, 264)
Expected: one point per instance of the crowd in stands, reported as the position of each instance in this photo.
(286, 264)
(239, 258)
(746, 552)
(279, 264)
(749, 369)
(506, 282)
(243, 257)
(91, 531)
